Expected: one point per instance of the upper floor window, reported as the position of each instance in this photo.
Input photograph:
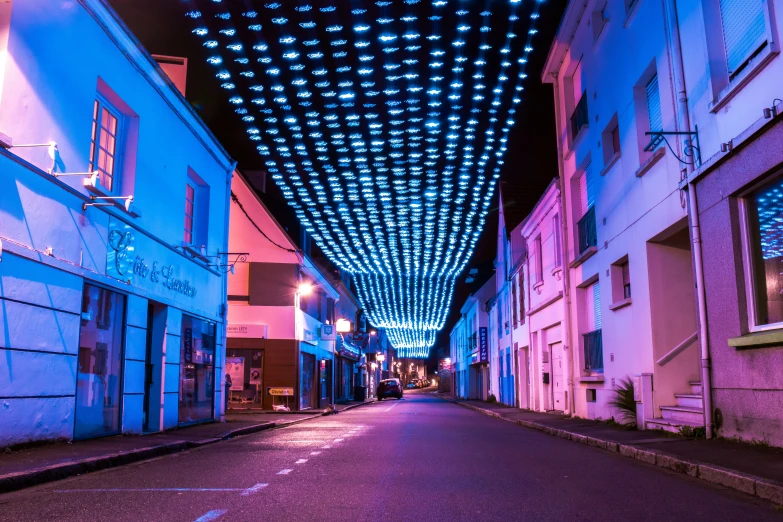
(586, 227)
(591, 337)
(744, 31)
(654, 105)
(196, 211)
(579, 117)
(539, 253)
(557, 247)
(105, 146)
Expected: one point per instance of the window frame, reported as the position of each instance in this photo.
(190, 183)
(748, 263)
(726, 85)
(119, 140)
(538, 242)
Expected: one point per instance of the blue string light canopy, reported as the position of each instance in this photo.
(384, 124)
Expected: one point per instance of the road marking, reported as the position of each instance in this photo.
(326, 447)
(315, 453)
(142, 490)
(211, 515)
(284, 471)
(392, 406)
(338, 440)
(300, 461)
(253, 489)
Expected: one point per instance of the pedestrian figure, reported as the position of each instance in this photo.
(228, 388)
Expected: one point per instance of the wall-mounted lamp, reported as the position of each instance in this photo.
(343, 325)
(7, 142)
(110, 202)
(305, 289)
(771, 112)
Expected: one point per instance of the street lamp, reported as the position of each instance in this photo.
(305, 289)
(343, 326)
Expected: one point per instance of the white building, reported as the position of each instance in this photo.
(677, 293)
(548, 375)
(111, 297)
(470, 344)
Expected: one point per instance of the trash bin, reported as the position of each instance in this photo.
(360, 393)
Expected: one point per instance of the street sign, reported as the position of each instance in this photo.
(284, 392)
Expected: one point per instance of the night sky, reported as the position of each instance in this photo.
(530, 163)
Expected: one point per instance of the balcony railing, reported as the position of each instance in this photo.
(579, 117)
(586, 228)
(594, 351)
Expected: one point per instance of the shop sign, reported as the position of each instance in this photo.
(483, 348)
(124, 260)
(280, 392)
(309, 337)
(253, 331)
(188, 341)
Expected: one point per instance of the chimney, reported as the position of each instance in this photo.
(176, 69)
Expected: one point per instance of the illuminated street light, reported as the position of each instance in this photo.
(306, 289)
(343, 326)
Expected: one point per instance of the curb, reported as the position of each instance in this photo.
(750, 484)
(34, 477)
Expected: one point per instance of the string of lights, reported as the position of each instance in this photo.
(384, 124)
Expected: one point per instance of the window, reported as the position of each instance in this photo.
(610, 143)
(598, 20)
(521, 293)
(579, 117)
(539, 262)
(629, 6)
(744, 31)
(621, 282)
(514, 309)
(586, 231)
(654, 105)
(104, 147)
(626, 279)
(592, 339)
(557, 247)
(765, 253)
(190, 211)
(196, 211)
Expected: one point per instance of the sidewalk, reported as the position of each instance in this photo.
(36, 465)
(753, 469)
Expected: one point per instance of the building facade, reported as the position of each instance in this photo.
(470, 344)
(281, 315)
(546, 366)
(730, 78)
(668, 137)
(626, 230)
(113, 209)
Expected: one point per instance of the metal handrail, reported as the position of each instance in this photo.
(677, 349)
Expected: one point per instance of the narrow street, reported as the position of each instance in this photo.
(416, 459)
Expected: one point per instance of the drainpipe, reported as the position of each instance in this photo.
(683, 122)
(531, 348)
(224, 303)
(566, 272)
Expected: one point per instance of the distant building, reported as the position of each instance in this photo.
(113, 211)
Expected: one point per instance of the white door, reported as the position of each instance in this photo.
(558, 383)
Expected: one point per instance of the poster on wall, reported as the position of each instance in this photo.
(235, 367)
(255, 376)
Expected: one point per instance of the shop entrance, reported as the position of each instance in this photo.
(153, 367)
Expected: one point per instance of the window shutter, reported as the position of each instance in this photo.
(744, 30)
(626, 274)
(654, 105)
(593, 307)
(583, 206)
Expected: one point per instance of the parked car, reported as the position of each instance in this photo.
(389, 388)
(411, 386)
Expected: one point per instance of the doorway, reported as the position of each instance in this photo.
(153, 367)
(558, 388)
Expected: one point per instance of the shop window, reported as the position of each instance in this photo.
(99, 372)
(764, 254)
(197, 370)
(307, 389)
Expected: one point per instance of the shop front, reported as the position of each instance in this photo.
(346, 357)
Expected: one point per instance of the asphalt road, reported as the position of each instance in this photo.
(419, 459)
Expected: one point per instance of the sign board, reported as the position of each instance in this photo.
(327, 332)
(235, 367)
(483, 345)
(253, 331)
(309, 337)
(280, 392)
